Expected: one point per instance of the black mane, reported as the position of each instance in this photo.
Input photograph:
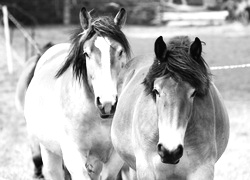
(180, 66)
(103, 26)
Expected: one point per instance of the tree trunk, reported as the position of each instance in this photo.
(66, 12)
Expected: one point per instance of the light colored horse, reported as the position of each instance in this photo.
(21, 88)
(170, 121)
(72, 97)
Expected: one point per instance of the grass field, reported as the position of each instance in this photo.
(225, 45)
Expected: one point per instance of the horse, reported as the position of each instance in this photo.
(72, 97)
(170, 121)
(21, 88)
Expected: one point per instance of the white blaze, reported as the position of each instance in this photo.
(171, 136)
(106, 88)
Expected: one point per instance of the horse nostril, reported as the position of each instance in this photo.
(170, 155)
(114, 106)
(161, 150)
(113, 109)
(178, 152)
(98, 101)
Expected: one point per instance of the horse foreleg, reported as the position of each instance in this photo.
(67, 175)
(127, 173)
(37, 160)
(143, 169)
(52, 164)
(36, 157)
(112, 167)
(204, 172)
(132, 174)
(74, 161)
(94, 167)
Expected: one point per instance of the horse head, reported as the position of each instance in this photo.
(105, 57)
(99, 51)
(176, 77)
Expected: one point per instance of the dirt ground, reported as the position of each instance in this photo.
(225, 45)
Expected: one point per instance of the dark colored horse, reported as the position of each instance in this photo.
(170, 121)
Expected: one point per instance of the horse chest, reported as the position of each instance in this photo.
(179, 171)
(91, 135)
(83, 125)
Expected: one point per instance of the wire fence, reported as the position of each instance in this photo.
(24, 32)
(31, 40)
(230, 67)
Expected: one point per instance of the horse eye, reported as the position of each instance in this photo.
(86, 54)
(120, 54)
(156, 92)
(194, 93)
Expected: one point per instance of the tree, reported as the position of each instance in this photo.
(67, 12)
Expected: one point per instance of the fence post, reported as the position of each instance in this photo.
(7, 39)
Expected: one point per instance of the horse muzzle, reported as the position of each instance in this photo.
(106, 109)
(170, 157)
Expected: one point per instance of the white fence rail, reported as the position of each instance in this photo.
(230, 67)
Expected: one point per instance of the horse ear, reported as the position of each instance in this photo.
(85, 18)
(196, 49)
(160, 49)
(120, 18)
